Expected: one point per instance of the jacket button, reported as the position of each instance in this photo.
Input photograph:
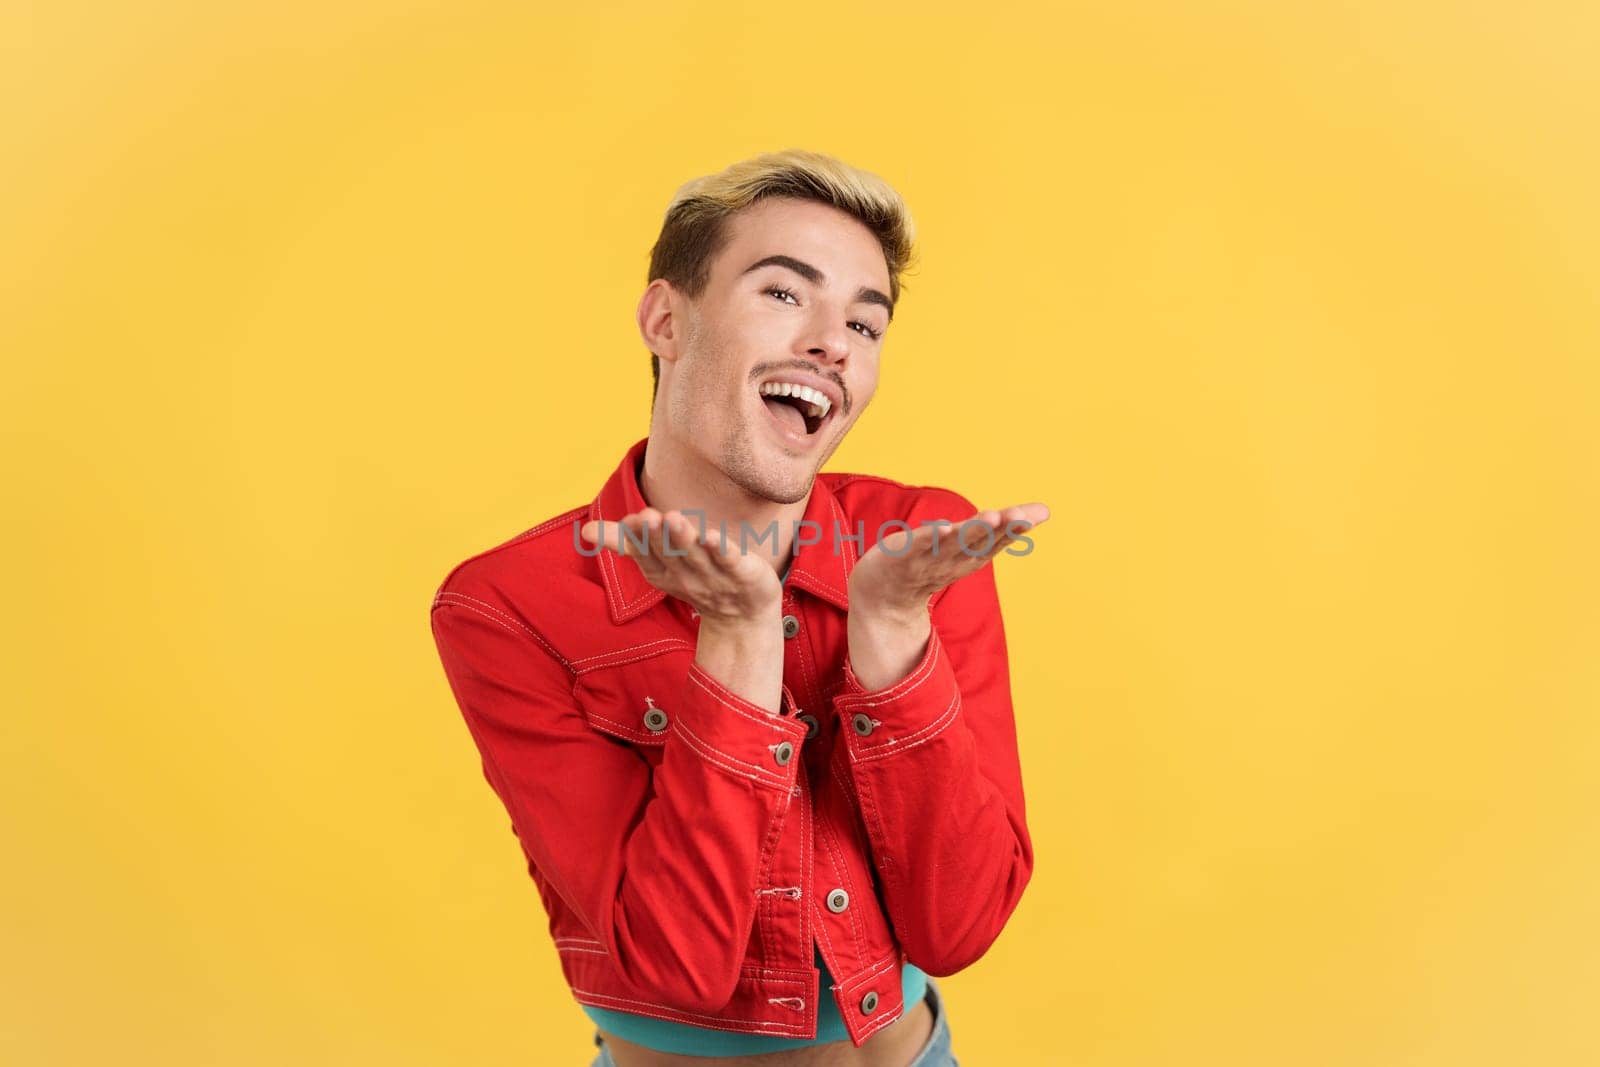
(869, 1003)
(791, 626)
(656, 720)
(838, 900)
(783, 753)
(862, 722)
(812, 726)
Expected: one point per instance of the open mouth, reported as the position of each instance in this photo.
(799, 409)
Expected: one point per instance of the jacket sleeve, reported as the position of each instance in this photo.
(935, 764)
(662, 868)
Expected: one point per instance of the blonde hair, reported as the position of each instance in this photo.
(696, 224)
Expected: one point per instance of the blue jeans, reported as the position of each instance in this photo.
(935, 1053)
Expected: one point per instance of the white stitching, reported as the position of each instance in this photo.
(805, 578)
(875, 723)
(816, 906)
(876, 967)
(506, 616)
(790, 891)
(823, 831)
(609, 579)
(523, 536)
(633, 648)
(845, 787)
(613, 582)
(822, 928)
(730, 757)
(885, 1020)
(709, 754)
(911, 681)
(893, 745)
(608, 562)
(875, 972)
(814, 818)
(842, 869)
(777, 722)
(806, 872)
(850, 546)
(632, 659)
(867, 805)
(632, 733)
(498, 616)
(876, 856)
(713, 1022)
(548, 524)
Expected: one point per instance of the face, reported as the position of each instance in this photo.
(808, 322)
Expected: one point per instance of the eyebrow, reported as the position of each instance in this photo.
(864, 295)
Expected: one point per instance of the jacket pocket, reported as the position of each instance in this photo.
(631, 693)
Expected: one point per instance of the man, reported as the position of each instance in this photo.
(751, 722)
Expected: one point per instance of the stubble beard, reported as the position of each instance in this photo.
(736, 455)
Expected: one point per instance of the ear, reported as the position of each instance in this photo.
(661, 320)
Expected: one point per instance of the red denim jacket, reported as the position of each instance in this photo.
(688, 846)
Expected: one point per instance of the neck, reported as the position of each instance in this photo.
(674, 477)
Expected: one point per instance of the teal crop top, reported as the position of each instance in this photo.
(664, 1036)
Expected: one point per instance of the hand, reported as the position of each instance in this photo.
(904, 569)
(723, 584)
(738, 597)
(890, 587)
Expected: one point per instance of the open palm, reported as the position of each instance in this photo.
(907, 567)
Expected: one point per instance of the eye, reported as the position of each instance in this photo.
(866, 331)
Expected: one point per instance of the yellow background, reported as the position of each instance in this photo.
(1287, 310)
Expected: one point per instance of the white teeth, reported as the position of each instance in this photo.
(817, 402)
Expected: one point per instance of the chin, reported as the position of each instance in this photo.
(766, 470)
(776, 489)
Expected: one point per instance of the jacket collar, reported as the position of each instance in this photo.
(816, 568)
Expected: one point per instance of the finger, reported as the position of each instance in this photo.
(605, 533)
(987, 533)
(899, 541)
(976, 535)
(722, 551)
(680, 542)
(644, 534)
(1025, 516)
(1033, 514)
(1014, 522)
(590, 531)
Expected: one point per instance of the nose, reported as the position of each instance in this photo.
(829, 337)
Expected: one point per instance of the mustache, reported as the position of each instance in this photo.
(763, 370)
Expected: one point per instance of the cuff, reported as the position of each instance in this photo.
(881, 722)
(736, 734)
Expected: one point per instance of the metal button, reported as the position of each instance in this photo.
(869, 1003)
(656, 720)
(838, 900)
(791, 626)
(783, 753)
(812, 725)
(862, 722)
